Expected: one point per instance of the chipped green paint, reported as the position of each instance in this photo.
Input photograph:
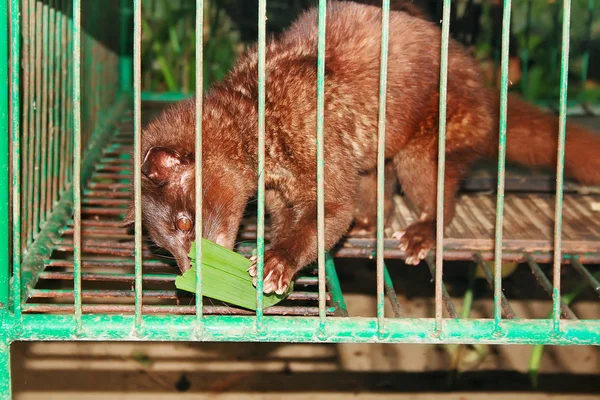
(4, 158)
(15, 44)
(560, 164)
(383, 67)
(137, 156)
(439, 236)
(68, 79)
(501, 164)
(260, 228)
(334, 285)
(102, 327)
(322, 18)
(198, 155)
(5, 381)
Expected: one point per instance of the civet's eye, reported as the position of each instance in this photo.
(184, 224)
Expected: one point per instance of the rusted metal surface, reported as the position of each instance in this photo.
(169, 309)
(590, 279)
(507, 311)
(107, 262)
(446, 300)
(528, 228)
(107, 248)
(545, 283)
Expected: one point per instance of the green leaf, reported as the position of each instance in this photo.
(225, 277)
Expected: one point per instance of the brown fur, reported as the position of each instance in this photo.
(407, 6)
(351, 107)
(532, 140)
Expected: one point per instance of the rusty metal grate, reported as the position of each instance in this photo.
(107, 257)
(528, 228)
(108, 267)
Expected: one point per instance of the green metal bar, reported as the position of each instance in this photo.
(506, 308)
(77, 157)
(37, 133)
(439, 239)
(334, 285)
(383, 67)
(25, 129)
(15, 118)
(4, 155)
(167, 97)
(391, 293)
(5, 378)
(592, 281)
(42, 248)
(105, 327)
(501, 163)
(70, 135)
(137, 155)
(547, 286)
(560, 165)
(53, 122)
(586, 55)
(260, 228)
(43, 187)
(322, 20)
(63, 106)
(30, 131)
(445, 296)
(198, 153)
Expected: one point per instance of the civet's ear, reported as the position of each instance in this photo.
(160, 164)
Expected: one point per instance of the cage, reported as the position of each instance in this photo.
(72, 114)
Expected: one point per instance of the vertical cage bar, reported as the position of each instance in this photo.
(439, 236)
(42, 188)
(53, 154)
(77, 157)
(137, 156)
(198, 153)
(385, 32)
(560, 164)
(501, 164)
(28, 172)
(260, 228)
(63, 106)
(588, 38)
(70, 111)
(7, 87)
(4, 155)
(37, 133)
(322, 21)
(70, 135)
(25, 125)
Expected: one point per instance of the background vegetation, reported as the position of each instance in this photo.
(229, 25)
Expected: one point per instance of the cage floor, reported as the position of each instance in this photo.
(107, 258)
(107, 249)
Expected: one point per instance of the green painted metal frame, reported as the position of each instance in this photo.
(5, 186)
(42, 327)
(14, 325)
